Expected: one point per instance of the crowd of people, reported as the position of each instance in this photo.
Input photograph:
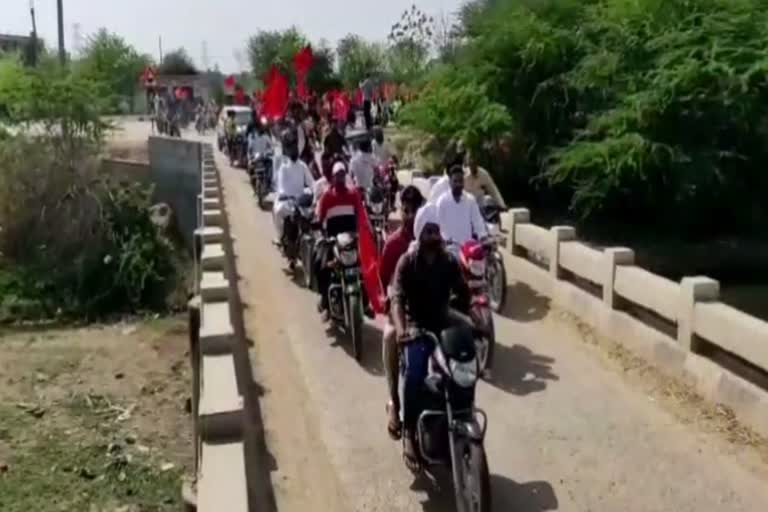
(422, 283)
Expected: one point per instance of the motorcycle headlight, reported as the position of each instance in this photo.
(464, 374)
(348, 257)
(477, 268)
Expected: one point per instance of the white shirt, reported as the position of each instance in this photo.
(442, 186)
(381, 152)
(362, 168)
(293, 178)
(460, 220)
(259, 143)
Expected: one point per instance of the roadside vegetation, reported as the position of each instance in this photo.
(74, 243)
(646, 112)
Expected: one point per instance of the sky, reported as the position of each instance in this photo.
(222, 25)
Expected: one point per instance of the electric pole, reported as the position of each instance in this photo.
(62, 52)
(34, 33)
(160, 45)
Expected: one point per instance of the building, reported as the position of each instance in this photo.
(11, 44)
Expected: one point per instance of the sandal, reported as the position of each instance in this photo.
(394, 427)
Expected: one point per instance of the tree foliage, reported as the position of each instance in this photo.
(639, 109)
(358, 58)
(177, 62)
(270, 47)
(107, 58)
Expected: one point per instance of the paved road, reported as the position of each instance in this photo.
(566, 431)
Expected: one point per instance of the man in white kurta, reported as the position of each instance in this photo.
(293, 176)
(458, 213)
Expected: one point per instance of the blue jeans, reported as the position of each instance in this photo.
(414, 365)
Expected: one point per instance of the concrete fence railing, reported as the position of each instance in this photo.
(218, 401)
(663, 321)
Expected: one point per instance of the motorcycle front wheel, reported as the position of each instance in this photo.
(473, 483)
(355, 326)
(306, 263)
(497, 283)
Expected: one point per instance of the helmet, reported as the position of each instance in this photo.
(473, 258)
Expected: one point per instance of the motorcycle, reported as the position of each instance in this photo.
(297, 226)
(473, 257)
(378, 215)
(496, 273)
(239, 156)
(386, 178)
(450, 430)
(260, 172)
(345, 293)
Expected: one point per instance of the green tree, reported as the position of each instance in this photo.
(109, 59)
(269, 47)
(358, 58)
(322, 77)
(177, 62)
(409, 45)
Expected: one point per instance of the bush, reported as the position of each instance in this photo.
(643, 110)
(73, 241)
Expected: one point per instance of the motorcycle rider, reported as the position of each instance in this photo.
(396, 245)
(230, 131)
(426, 278)
(363, 165)
(458, 213)
(337, 212)
(380, 149)
(454, 156)
(293, 177)
(478, 182)
(259, 141)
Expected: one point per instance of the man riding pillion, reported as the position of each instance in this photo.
(363, 166)
(426, 278)
(293, 177)
(479, 182)
(458, 213)
(337, 211)
(396, 245)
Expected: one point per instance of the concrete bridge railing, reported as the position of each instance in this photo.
(218, 358)
(670, 324)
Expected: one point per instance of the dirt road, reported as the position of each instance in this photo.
(567, 430)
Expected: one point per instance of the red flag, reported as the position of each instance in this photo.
(275, 99)
(303, 60)
(240, 96)
(369, 262)
(340, 106)
(229, 82)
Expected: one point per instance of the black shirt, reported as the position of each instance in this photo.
(425, 289)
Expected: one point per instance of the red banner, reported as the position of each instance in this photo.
(340, 105)
(276, 94)
(302, 63)
(240, 96)
(229, 82)
(369, 263)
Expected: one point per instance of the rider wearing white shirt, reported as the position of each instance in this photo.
(458, 213)
(363, 166)
(439, 189)
(293, 177)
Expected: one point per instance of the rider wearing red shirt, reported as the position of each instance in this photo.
(338, 210)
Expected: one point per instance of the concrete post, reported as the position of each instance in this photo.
(194, 354)
(558, 234)
(693, 290)
(518, 216)
(612, 257)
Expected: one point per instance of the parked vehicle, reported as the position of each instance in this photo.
(450, 430)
